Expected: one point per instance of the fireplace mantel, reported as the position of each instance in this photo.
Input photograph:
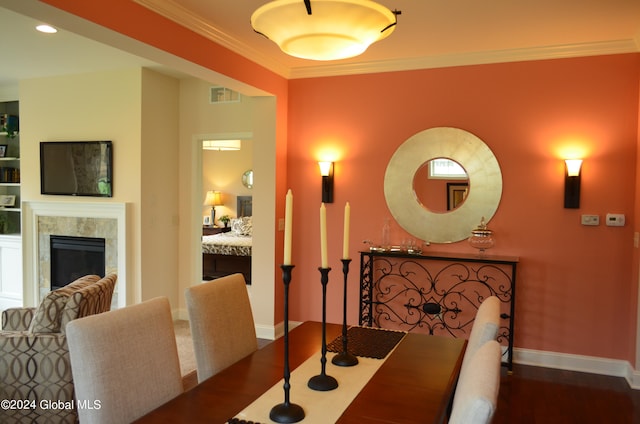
(36, 213)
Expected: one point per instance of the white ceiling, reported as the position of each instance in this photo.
(430, 33)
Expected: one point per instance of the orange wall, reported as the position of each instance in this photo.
(575, 291)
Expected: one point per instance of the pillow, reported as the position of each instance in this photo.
(49, 313)
(242, 226)
(236, 226)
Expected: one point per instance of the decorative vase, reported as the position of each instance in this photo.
(481, 237)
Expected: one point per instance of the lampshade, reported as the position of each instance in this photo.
(221, 144)
(573, 167)
(325, 168)
(213, 198)
(333, 29)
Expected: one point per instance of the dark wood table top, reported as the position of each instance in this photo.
(414, 385)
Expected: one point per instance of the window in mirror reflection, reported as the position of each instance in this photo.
(446, 168)
(444, 192)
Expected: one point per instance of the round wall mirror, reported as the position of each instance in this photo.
(484, 185)
(247, 178)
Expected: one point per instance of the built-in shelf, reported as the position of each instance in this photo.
(10, 188)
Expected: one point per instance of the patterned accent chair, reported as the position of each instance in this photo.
(34, 357)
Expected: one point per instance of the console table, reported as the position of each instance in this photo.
(436, 293)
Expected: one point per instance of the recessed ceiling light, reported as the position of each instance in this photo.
(46, 29)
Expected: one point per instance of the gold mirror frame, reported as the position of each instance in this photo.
(485, 184)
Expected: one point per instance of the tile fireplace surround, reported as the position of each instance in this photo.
(80, 219)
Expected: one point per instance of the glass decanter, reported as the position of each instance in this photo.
(481, 237)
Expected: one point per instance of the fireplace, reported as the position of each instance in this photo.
(73, 257)
(41, 220)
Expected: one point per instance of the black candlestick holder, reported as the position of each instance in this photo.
(344, 358)
(323, 382)
(286, 412)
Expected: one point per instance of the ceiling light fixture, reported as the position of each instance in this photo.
(221, 145)
(47, 29)
(324, 29)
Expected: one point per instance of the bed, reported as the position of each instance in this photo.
(230, 252)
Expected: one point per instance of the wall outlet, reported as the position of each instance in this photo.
(590, 220)
(615, 219)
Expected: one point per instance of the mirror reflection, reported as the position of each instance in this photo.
(441, 185)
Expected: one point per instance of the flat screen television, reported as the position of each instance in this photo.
(76, 168)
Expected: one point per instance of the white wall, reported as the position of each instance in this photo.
(108, 106)
(159, 186)
(254, 116)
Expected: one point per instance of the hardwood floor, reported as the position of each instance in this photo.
(544, 395)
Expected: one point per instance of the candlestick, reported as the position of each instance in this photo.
(323, 236)
(322, 381)
(288, 219)
(344, 358)
(345, 240)
(286, 412)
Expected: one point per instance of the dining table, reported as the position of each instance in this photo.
(413, 383)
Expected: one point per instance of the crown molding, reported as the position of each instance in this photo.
(175, 12)
(467, 59)
(182, 16)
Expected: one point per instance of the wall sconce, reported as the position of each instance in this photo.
(326, 170)
(572, 183)
(213, 199)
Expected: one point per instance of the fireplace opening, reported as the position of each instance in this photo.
(74, 257)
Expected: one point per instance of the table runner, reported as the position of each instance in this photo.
(319, 407)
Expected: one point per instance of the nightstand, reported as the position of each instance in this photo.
(208, 231)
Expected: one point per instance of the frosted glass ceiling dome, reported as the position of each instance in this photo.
(333, 29)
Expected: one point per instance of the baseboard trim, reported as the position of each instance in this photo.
(580, 363)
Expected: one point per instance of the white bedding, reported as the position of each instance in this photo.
(227, 244)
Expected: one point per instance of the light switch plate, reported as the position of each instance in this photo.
(590, 220)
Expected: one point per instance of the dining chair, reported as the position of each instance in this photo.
(124, 362)
(485, 327)
(221, 323)
(476, 395)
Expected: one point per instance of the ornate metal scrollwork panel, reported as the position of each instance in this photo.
(437, 296)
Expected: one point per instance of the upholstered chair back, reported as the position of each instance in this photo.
(485, 327)
(221, 323)
(476, 396)
(126, 359)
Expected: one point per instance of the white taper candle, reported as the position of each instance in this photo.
(345, 239)
(323, 236)
(288, 224)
